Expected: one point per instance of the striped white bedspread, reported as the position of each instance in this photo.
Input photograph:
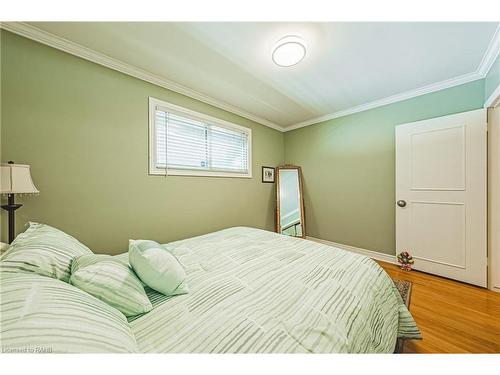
(253, 291)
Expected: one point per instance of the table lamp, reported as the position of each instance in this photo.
(15, 179)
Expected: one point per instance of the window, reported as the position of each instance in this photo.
(184, 142)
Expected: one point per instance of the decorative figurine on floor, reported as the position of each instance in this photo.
(406, 260)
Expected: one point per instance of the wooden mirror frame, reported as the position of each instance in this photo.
(301, 192)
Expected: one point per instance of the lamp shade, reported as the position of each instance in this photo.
(16, 179)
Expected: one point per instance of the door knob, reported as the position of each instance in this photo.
(401, 203)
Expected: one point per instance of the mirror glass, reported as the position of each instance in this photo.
(290, 207)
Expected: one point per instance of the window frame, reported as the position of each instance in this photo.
(155, 171)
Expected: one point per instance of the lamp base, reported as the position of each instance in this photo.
(11, 207)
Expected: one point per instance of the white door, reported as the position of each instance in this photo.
(441, 195)
(494, 197)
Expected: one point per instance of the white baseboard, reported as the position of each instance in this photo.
(369, 253)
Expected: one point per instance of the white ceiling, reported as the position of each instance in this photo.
(347, 64)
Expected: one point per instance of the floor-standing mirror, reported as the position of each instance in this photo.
(289, 201)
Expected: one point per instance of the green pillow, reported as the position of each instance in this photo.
(43, 250)
(157, 267)
(112, 281)
(42, 313)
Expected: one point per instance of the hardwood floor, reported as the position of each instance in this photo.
(453, 317)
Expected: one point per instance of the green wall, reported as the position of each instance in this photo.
(349, 162)
(492, 79)
(83, 129)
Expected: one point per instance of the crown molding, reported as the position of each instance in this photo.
(44, 37)
(484, 67)
(65, 45)
(494, 99)
(491, 54)
(391, 99)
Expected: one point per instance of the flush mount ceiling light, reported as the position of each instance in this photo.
(289, 51)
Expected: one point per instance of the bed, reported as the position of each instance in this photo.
(253, 291)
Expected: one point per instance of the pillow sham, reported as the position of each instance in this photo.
(112, 281)
(44, 315)
(43, 250)
(157, 267)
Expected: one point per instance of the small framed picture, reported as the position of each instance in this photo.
(268, 174)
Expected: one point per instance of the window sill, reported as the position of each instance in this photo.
(193, 173)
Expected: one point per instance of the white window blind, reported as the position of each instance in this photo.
(188, 144)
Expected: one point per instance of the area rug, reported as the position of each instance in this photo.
(404, 288)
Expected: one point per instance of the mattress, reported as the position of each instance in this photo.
(254, 291)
